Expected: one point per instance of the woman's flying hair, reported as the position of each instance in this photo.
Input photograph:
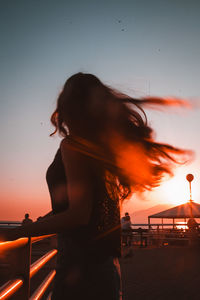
(112, 127)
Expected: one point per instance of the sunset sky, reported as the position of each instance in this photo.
(140, 47)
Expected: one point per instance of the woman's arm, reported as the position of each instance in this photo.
(79, 190)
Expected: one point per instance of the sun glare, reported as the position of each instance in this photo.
(176, 190)
(181, 225)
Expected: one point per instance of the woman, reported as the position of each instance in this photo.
(107, 152)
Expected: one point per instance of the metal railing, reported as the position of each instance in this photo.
(9, 224)
(161, 234)
(16, 256)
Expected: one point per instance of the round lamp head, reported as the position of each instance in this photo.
(189, 177)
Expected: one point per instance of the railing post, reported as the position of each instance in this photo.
(22, 268)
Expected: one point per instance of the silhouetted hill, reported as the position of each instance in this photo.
(141, 216)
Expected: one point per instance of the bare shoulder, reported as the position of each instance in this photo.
(67, 149)
(73, 155)
(64, 144)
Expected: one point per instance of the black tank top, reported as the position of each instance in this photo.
(102, 236)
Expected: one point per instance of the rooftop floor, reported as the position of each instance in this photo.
(164, 273)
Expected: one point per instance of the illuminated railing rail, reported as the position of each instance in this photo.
(16, 255)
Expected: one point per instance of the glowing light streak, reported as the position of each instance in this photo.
(40, 238)
(9, 245)
(36, 266)
(37, 295)
(10, 288)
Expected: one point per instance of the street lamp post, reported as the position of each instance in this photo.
(189, 178)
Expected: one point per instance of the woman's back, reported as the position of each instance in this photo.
(86, 264)
(102, 235)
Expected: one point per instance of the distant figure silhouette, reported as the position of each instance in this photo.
(107, 152)
(126, 229)
(126, 221)
(26, 220)
(192, 224)
(126, 235)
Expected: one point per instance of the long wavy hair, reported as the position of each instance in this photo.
(112, 127)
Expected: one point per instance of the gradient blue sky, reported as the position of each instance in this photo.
(141, 47)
